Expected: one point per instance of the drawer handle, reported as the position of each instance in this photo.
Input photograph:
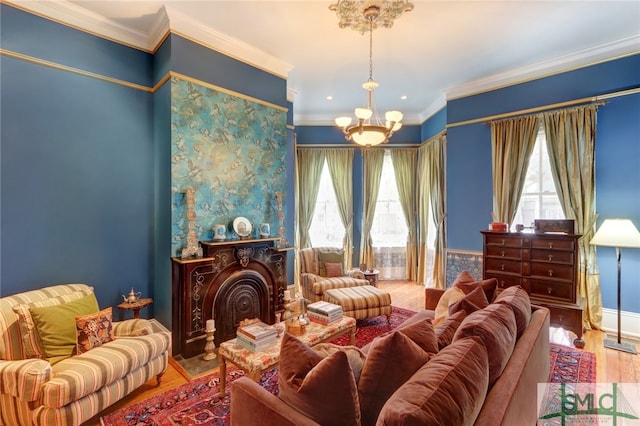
(502, 267)
(550, 245)
(502, 284)
(502, 253)
(549, 290)
(502, 242)
(550, 272)
(550, 257)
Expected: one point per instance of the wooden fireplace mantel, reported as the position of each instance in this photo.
(234, 280)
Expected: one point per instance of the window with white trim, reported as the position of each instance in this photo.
(326, 228)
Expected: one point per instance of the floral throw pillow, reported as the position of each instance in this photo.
(93, 330)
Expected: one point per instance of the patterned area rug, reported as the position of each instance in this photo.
(199, 403)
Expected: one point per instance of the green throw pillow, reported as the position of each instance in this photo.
(329, 257)
(56, 325)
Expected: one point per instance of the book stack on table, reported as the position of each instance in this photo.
(257, 336)
(324, 312)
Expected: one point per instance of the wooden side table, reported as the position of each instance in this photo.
(135, 306)
(371, 275)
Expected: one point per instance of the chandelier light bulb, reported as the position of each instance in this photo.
(343, 121)
(363, 113)
(394, 116)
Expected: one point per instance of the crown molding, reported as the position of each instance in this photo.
(580, 59)
(327, 120)
(82, 19)
(435, 106)
(168, 19)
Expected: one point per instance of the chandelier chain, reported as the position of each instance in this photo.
(371, 48)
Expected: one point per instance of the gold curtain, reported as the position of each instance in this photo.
(570, 135)
(310, 164)
(512, 142)
(431, 207)
(340, 163)
(404, 167)
(372, 169)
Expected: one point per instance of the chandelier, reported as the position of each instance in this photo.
(353, 13)
(369, 129)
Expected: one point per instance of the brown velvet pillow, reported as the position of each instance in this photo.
(390, 362)
(489, 286)
(518, 300)
(323, 389)
(446, 329)
(422, 334)
(470, 303)
(334, 269)
(463, 277)
(496, 327)
(450, 389)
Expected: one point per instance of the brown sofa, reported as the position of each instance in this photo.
(511, 399)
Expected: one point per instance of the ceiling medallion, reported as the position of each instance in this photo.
(354, 13)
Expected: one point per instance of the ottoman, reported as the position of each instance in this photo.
(360, 302)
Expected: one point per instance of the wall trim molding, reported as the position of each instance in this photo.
(629, 322)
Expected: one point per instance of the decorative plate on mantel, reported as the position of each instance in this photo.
(242, 226)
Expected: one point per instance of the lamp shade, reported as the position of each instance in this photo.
(617, 233)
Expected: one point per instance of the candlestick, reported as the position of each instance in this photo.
(209, 346)
(211, 325)
(287, 295)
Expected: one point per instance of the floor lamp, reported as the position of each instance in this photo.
(617, 233)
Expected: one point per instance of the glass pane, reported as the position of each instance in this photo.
(326, 226)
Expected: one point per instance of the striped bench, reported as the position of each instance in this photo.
(360, 302)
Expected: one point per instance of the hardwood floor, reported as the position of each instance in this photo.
(612, 366)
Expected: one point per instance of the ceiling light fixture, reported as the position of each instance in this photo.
(352, 13)
(369, 130)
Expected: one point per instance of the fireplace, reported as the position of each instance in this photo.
(234, 280)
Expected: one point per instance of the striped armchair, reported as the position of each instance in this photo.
(313, 276)
(34, 392)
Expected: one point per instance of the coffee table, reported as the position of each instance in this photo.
(255, 363)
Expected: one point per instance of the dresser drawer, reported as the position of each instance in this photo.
(568, 317)
(506, 281)
(499, 266)
(553, 244)
(552, 270)
(506, 252)
(552, 256)
(501, 240)
(560, 291)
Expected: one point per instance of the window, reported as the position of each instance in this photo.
(539, 198)
(326, 228)
(389, 230)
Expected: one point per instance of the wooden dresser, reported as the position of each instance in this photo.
(545, 265)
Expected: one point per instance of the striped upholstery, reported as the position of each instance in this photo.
(75, 389)
(361, 302)
(313, 285)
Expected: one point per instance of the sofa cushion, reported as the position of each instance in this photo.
(323, 389)
(81, 375)
(447, 328)
(30, 340)
(132, 327)
(449, 389)
(93, 330)
(56, 325)
(355, 356)
(471, 302)
(489, 286)
(448, 298)
(495, 325)
(329, 256)
(518, 300)
(422, 334)
(391, 360)
(334, 269)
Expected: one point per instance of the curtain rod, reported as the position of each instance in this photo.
(541, 110)
(546, 107)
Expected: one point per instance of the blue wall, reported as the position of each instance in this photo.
(469, 180)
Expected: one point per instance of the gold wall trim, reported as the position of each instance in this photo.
(227, 91)
(455, 251)
(61, 67)
(546, 107)
(355, 146)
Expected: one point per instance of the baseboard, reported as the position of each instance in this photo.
(628, 322)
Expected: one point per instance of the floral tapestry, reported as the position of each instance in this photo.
(231, 150)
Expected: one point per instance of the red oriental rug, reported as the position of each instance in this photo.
(198, 402)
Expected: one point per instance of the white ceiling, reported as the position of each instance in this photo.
(440, 50)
